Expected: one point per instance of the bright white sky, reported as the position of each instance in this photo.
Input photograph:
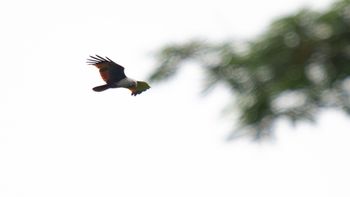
(59, 138)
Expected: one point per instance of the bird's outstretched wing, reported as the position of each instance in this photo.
(110, 71)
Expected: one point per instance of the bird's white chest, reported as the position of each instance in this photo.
(125, 83)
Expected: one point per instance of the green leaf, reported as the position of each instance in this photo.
(141, 87)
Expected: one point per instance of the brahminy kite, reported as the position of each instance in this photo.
(114, 76)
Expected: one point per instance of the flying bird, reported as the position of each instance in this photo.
(114, 76)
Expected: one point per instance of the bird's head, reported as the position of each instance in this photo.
(133, 87)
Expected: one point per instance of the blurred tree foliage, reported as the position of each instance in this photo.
(300, 65)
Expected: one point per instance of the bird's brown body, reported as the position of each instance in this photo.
(114, 76)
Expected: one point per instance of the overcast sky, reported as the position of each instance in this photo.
(59, 138)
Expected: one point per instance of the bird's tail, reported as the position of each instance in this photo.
(101, 88)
